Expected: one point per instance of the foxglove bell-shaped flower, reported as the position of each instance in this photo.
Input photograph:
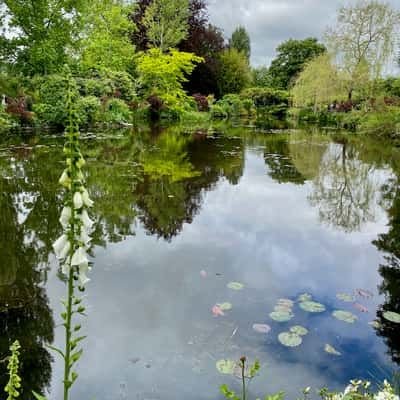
(84, 236)
(79, 257)
(62, 246)
(81, 162)
(65, 217)
(83, 270)
(87, 222)
(86, 199)
(65, 268)
(65, 180)
(78, 200)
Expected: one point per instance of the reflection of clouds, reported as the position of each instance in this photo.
(148, 300)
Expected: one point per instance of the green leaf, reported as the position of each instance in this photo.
(225, 306)
(235, 285)
(56, 350)
(312, 306)
(290, 339)
(345, 316)
(392, 316)
(281, 316)
(345, 297)
(331, 350)
(76, 356)
(299, 330)
(38, 396)
(226, 366)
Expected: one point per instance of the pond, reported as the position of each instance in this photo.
(189, 220)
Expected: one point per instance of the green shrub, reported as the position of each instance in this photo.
(265, 97)
(381, 123)
(116, 110)
(89, 110)
(50, 100)
(217, 111)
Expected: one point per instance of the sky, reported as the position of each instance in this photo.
(270, 22)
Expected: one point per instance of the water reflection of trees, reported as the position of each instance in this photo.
(389, 244)
(24, 310)
(345, 190)
(177, 170)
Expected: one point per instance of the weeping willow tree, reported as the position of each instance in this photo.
(319, 83)
(363, 40)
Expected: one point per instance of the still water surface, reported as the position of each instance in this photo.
(179, 216)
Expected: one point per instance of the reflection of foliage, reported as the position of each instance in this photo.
(344, 190)
(24, 311)
(389, 243)
(278, 159)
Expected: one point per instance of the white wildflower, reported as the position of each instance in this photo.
(83, 270)
(84, 236)
(62, 246)
(65, 217)
(87, 222)
(86, 199)
(78, 200)
(79, 257)
(65, 268)
(65, 180)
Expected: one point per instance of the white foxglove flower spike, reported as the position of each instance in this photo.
(79, 257)
(62, 246)
(65, 217)
(65, 180)
(86, 199)
(78, 200)
(87, 222)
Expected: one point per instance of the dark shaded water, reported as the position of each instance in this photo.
(282, 213)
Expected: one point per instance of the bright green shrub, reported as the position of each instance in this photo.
(266, 97)
(218, 111)
(50, 100)
(89, 110)
(116, 110)
(381, 123)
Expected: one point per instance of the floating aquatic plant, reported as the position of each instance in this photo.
(345, 297)
(285, 302)
(226, 366)
(304, 297)
(312, 306)
(366, 294)
(225, 306)
(281, 316)
(392, 316)
(290, 339)
(282, 308)
(261, 328)
(345, 316)
(235, 285)
(375, 323)
(299, 330)
(331, 350)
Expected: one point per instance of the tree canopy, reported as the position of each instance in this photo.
(240, 40)
(291, 58)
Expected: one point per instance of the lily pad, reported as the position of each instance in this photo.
(312, 306)
(226, 366)
(366, 294)
(235, 285)
(285, 302)
(281, 316)
(261, 328)
(376, 324)
(331, 350)
(282, 308)
(304, 297)
(299, 330)
(290, 339)
(225, 306)
(345, 297)
(392, 316)
(345, 316)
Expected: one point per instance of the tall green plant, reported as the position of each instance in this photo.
(14, 382)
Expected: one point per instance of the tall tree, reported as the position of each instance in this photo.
(234, 74)
(363, 39)
(240, 40)
(207, 41)
(166, 23)
(291, 58)
(107, 43)
(38, 34)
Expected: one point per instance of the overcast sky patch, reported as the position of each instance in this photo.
(270, 22)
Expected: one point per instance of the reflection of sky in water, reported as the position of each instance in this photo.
(148, 301)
